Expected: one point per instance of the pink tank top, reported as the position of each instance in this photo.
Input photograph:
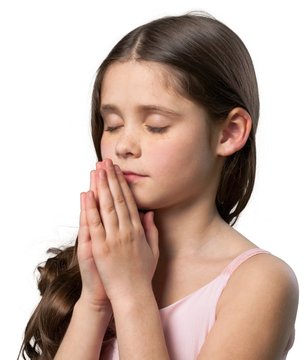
(187, 322)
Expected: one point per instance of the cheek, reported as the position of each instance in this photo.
(106, 149)
(183, 159)
(172, 158)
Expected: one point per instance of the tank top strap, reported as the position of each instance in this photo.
(235, 263)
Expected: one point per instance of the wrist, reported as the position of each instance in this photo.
(130, 300)
(98, 307)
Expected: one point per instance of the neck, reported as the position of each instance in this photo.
(187, 229)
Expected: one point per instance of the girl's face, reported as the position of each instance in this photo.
(152, 131)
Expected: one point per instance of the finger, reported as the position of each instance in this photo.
(100, 165)
(93, 186)
(83, 219)
(129, 198)
(117, 196)
(96, 228)
(88, 271)
(151, 232)
(83, 225)
(106, 204)
(84, 241)
(93, 175)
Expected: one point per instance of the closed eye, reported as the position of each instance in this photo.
(112, 128)
(153, 129)
(157, 130)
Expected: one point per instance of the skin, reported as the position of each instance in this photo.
(175, 152)
(135, 264)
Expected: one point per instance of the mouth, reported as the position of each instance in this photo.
(132, 177)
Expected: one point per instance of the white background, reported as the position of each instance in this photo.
(49, 53)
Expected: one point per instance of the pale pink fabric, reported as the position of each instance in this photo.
(187, 322)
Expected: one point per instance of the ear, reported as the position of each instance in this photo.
(234, 132)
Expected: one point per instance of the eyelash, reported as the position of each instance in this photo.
(155, 130)
(111, 129)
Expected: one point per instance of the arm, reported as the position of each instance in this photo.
(92, 312)
(85, 333)
(256, 313)
(125, 250)
(139, 329)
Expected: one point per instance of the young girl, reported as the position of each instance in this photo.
(158, 272)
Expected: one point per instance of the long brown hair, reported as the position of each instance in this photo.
(210, 65)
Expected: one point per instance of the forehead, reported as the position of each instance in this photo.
(142, 80)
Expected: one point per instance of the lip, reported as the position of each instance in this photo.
(132, 177)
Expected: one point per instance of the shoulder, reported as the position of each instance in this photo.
(262, 274)
(264, 268)
(265, 282)
(256, 312)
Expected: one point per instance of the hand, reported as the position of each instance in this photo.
(93, 291)
(124, 246)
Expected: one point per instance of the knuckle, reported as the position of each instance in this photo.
(95, 221)
(139, 231)
(97, 233)
(130, 200)
(120, 200)
(109, 209)
(127, 235)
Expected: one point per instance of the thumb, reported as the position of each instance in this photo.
(151, 232)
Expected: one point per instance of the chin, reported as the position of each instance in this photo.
(145, 206)
(154, 202)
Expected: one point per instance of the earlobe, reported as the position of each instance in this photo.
(234, 132)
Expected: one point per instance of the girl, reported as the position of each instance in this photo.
(158, 272)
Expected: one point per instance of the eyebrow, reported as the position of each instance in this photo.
(109, 108)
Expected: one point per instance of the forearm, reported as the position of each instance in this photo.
(139, 329)
(84, 336)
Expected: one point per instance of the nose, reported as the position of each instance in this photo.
(128, 144)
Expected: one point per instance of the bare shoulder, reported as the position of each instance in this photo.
(266, 281)
(256, 312)
(263, 272)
